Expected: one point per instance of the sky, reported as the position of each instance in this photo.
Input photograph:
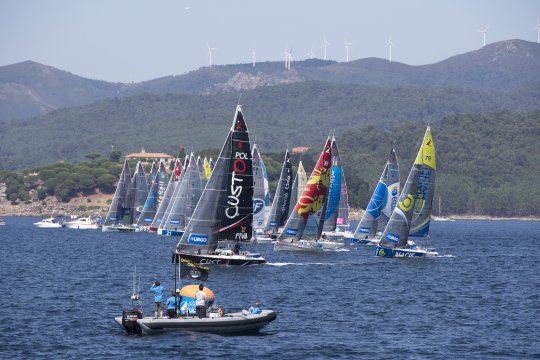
(139, 40)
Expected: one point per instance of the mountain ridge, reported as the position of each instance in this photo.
(28, 88)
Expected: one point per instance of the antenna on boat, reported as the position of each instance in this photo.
(239, 98)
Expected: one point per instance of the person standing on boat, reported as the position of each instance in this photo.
(200, 302)
(158, 290)
(172, 305)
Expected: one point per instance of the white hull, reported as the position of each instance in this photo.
(48, 224)
(302, 245)
(117, 228)
(39, 224)
(82, 226)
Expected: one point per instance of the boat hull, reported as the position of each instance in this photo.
(302, 245)
(164, 232)
(372, 242)
(227, 324)
(405, 252)
(82, 226)
(48, 225)
(118, 228)
(236, 260)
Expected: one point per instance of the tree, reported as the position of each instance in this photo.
(115, 155)
(92, 156)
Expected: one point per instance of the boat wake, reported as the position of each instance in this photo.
(296, 264)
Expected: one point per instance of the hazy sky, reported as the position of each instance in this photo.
(136, 40)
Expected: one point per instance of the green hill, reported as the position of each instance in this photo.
(487, 164)
(295, 115)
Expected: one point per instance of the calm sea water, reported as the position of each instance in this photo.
(61, 288)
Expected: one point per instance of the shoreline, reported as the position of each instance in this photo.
(98, 205)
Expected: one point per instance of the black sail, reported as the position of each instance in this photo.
(225, 209)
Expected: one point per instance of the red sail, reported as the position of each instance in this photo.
(316, 190)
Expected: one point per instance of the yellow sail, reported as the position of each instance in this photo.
(426, 154)
(207, 169)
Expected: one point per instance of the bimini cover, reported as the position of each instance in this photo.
(188, 297)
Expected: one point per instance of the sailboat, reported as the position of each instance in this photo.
(119, 212)
(380, 206)
(413, 208)
(334, 202)
(224, 213)
(440, 217)
(280, 206)
(183, 204)
(152, 175)
(299, 183)
(305, 224)
(260, 192)
(139, 189)
(165, 192)
(153, 199)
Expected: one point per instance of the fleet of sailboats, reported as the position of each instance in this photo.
(216, 207)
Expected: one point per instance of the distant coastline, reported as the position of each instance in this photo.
(98, 204)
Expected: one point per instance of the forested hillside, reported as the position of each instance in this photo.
(487, 164)
(295, 115)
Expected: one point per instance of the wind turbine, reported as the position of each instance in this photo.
(210, 54)
(484, 32)
(347, 45)
(288, 58)
(253, 57)
(538, 28)
(311, 54)
(324, 45)
(389, 44)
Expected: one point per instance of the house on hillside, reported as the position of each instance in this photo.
(149, 157)
(300, 149)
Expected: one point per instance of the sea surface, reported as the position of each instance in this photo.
(61, 289)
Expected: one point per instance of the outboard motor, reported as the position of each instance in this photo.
(129, 321)
(129, 317)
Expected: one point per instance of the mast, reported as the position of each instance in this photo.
(414, 196)
(225, 209)
(280, 206)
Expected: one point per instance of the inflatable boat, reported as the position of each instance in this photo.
(133, 323)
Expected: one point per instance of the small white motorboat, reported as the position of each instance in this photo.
(50, 223)
(83, 223)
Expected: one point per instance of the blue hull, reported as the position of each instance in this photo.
(171, 232)
(355, 241)
(388, 252)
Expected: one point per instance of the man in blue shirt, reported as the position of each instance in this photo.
(172, 305)
(158, 290)
(255, 309)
